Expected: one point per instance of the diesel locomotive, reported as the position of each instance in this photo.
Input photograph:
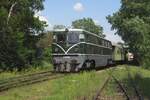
(76, 49)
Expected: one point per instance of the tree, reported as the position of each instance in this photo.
(132, 23)
(89, 25)
(17, 28)
(45, 40)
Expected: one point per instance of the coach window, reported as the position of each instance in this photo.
(96, 40)
(103, 42)
(89, 49)
(54, 38)
(87, 38)
(102, 52)
(82, 37)
(107, 44)
(106, 52)
(91, 39)
(110, 45)
(99, 41)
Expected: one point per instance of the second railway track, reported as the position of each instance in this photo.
(27, 80)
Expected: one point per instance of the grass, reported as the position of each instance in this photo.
(70, 87)
(78, 86)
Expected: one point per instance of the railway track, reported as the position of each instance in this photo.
(27, 80)
(121, 87)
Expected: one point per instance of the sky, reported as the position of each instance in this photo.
(63, 12)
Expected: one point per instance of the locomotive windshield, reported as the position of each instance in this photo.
(73, 38)
(66, 37)
(59, 38)
(65, 40)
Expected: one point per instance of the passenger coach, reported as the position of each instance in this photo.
(76, 49)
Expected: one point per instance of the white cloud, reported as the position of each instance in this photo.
(41, 18)
(78, 7)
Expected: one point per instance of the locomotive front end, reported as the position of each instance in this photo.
(66, 51)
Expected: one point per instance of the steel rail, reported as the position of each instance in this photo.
(98, 94)
(121, 87)
(23, 76)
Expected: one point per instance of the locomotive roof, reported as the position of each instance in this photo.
(62, 30)
(79, 30)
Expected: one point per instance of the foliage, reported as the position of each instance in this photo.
(89, 25)
(43, 52)
(45, 40)
(132, 23)
(18, 27)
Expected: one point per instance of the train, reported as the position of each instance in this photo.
(77, 49)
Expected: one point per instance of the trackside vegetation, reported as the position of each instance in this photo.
(80, 86)
(132, 25)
